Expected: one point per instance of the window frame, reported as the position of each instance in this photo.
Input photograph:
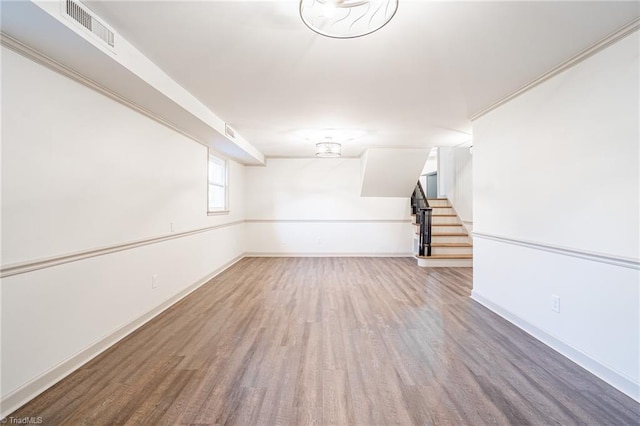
(213, 157)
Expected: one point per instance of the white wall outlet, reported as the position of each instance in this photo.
(154, 280)
(171, 225)
(555, 303)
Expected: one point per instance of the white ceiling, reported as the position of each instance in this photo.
(414, 83)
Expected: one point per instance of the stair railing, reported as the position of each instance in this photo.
(418, 200)
(424, 213)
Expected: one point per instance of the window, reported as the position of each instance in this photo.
(217, 184)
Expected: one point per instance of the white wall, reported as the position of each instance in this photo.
(462, 199)
(81, 172)
(431, 165)
(446, 172)
(556, 208)
(313, 206)
(455, 181)
(391, 172)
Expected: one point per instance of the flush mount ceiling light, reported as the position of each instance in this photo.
(347, 18)
(328, 149)
(328, 141)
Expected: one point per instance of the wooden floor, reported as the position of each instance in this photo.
(332, 341)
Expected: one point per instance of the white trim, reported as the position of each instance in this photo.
(618, 380)
(328, 220)
(49, 262)
(569, 63)
(34, 265)
(625, 262)
(327, 254)
(35, 387)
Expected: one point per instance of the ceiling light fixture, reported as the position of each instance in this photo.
(328, 149)
(347, 18)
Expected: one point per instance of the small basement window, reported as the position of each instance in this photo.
(217, 187)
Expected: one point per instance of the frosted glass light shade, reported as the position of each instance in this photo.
(347, 18)
(328, 149)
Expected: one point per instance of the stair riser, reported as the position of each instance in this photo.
(451, 250)
(443, 210)
(434, 203)
(444, 263)
(444, 220)
(447, 229)
(449, 239)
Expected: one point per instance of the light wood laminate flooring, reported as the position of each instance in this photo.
(332, 341)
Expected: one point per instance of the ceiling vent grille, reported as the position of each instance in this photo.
(81, 15)
(229, 131)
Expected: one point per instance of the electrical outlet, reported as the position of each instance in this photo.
(555, 303)
(154, 280)
(172, 230)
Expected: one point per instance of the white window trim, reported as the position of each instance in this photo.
(225, 209)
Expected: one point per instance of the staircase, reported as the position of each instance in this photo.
(451, 244)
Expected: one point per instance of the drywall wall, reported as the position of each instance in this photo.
(431, 165)
(462, 199)
(82, 172)
(556, 206)
(455, 180)
(313, 206)
(391, 172)
(446, 172)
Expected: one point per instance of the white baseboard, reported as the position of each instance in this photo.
(14, 400)
(299, 254)
(619, 381)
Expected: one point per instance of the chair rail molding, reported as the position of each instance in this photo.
(34, 265)
(625, 262)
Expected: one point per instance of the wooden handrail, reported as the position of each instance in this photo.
(423, 194)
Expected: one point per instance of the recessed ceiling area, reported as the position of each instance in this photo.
(414, 83)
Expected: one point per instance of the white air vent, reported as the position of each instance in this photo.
(229, 131)
(81, 14)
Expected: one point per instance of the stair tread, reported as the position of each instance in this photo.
(440, 214)
(451, 245)
(443, 215)
(446, 234)
(447, 256)
(440, 224)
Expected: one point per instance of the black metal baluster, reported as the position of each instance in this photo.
(422, 233)
(429, 211)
